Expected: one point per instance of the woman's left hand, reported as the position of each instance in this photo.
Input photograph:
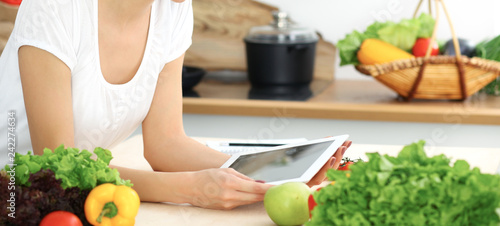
(333, 163)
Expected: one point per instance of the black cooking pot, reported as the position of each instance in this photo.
(191, 76)
(280, 54)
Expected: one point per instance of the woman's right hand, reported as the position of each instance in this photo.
(224, 188)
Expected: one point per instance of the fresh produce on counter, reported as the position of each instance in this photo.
(344, 166)
(374, 51)
(74, 167)
(57, 180)
(61, 218)
(403, 35)
(43, 196)
(109, 204)
(408, 189)
(287, 204)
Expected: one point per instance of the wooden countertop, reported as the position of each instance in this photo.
(129, 154)
(343, 99)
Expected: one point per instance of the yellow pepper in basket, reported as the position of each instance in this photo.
(109, 204)
(374, 51)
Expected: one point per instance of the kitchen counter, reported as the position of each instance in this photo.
(343, 99)
(129, 154)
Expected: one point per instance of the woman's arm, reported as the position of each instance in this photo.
(166, 146)
(169, 151)
(211, 188)
(46, 83)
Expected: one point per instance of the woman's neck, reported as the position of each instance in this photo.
(124, 12)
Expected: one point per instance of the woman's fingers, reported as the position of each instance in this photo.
(347, 143)
(321, 175)
(338, 155)
(238, 174)
(226, 189)
(234, 199)
(241, 183)
(241, 190)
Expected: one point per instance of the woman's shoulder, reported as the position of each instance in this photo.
(49, 10)
(49, 16)
(55, 26)
(173, 10)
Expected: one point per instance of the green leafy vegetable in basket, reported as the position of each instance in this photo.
(410, 189)
(73, 167)
(402, 35)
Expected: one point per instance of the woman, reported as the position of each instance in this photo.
(87, 73)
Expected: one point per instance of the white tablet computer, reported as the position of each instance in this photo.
(292, 162)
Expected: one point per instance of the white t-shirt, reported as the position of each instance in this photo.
(104, 114)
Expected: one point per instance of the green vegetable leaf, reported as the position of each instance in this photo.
(104, 155)
(73, 167)
(372, 30)
(413, 152)
(489, 50)
(349, 47)
(402, 35)
(426, 25)
(408, 189)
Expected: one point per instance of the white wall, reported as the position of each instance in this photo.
(474, 20)
(362, 132)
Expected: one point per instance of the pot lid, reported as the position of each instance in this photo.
(281, 30)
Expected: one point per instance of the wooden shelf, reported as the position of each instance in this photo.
(344, 99)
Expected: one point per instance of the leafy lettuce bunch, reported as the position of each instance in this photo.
(402, 35)
(73, 167)
(410, 189)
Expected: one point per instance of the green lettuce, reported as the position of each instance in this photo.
(410, 189)
(74, 167)
(349, 46)
(426, 25)
(402, 35)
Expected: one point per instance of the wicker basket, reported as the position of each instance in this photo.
(435, 77)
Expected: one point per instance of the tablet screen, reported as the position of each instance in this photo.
(280, 164)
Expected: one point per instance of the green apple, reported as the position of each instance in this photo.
(287, 204)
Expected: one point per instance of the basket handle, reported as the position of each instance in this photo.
(456, 45)
(418, 7)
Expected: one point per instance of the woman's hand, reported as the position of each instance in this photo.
(224, 189)
(333, 163)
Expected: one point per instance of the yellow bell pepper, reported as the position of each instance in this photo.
(109, 204)
(374, 51)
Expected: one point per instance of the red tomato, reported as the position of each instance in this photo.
(12, 2)
(421, 45)
(312, 203)
(345, 165)
(61, 218)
